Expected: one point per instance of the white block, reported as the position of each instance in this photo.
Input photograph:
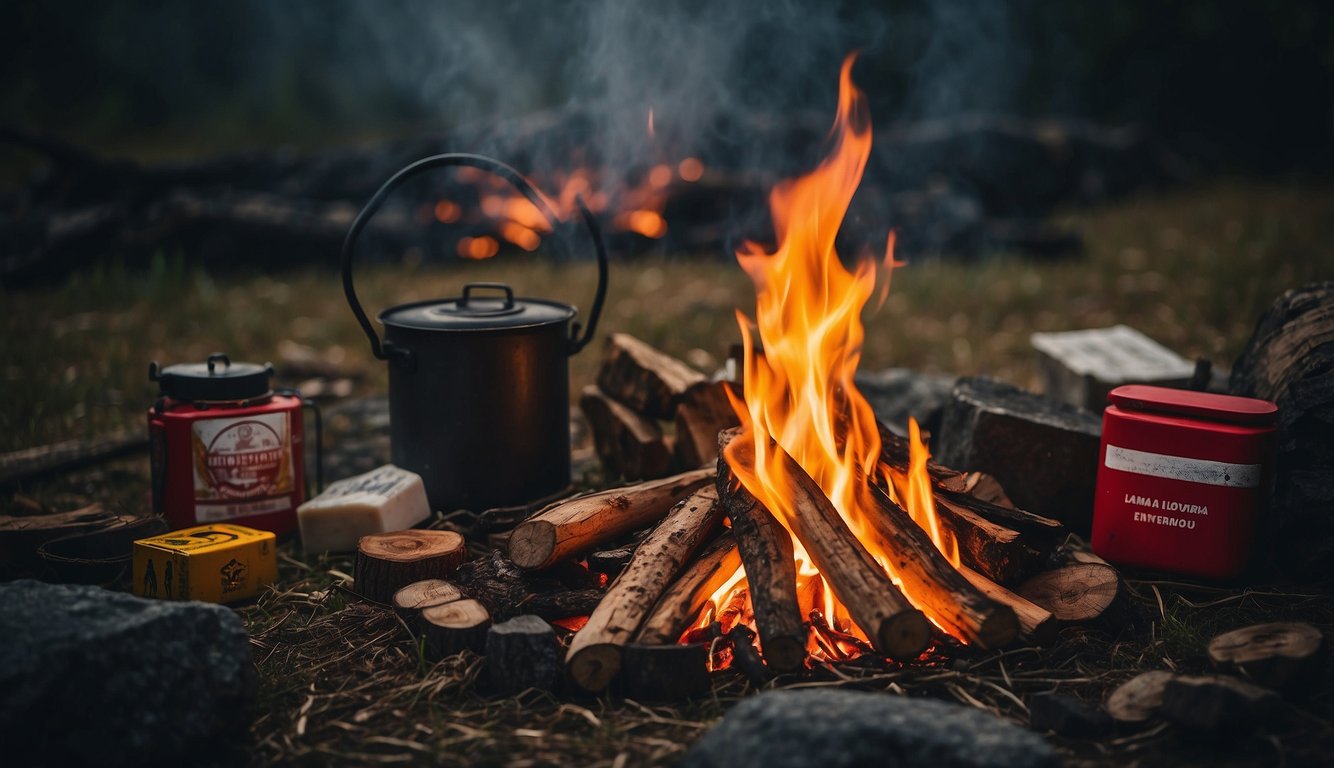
(384, 499)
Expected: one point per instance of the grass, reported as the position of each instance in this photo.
(344, 683)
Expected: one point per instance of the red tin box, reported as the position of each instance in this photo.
(1182, 478)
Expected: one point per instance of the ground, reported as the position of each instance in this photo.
(343, 683)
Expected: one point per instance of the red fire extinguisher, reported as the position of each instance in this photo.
(227, 447)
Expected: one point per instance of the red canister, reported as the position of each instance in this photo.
(1182, 479)
(225, 447)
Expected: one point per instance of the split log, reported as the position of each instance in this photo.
(933, 582)
(666, 672)
(1035, 622)
(986, 488)
(522, 654)
(703, 412)
(453, 627)
(596, 653)
(1273, 655)
(1139, 698)
(895, 628)
(628, 445)
(682, 603)
(580, 524)
(387, 562)
(1001, 554)
(411, 599)
(1217, 703)
(1076, 593)
(32, 463)
(771, 570)
(644, 378)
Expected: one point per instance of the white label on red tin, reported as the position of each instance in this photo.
(242, 466)
(1183, 468)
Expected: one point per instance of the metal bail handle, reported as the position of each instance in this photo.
(386, 350)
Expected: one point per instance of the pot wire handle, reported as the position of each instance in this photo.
(385, 350)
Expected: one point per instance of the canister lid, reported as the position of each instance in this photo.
(216, 380)
(470, 312)
(1203, 405)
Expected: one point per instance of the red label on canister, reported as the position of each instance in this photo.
(1182, 478)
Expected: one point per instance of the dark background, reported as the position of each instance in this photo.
(1232, 86)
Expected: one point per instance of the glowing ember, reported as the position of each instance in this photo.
(799, 392)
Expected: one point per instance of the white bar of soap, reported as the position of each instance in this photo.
(384, 499)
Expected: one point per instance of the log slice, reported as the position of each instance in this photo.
(387, 562)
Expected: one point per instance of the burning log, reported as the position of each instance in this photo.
(1076, 593)
(684, 600)
(387, 562)
(453, 627)
(596, 653)
(629, 445)
(746, 658)
(999, 553)
(647, 380)
(1035, 622)
(771, 572)
(579, 524)
(933, 581)
(895, 628)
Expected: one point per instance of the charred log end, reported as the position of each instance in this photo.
(593, 667)
(531, 544)
(903, 636)
(784, 654)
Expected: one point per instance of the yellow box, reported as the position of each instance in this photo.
(217, 563)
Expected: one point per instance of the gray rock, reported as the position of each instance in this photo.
(93, 677)
(834, 729)
(897, 393)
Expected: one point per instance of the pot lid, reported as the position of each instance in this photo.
(1203, 405)
(217, 379)
(470, 312)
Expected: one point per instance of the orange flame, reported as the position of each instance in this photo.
(799, 392)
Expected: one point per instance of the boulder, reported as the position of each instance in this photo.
(94, 677)
(838, 729)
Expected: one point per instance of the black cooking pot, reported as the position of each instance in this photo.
(479, 391)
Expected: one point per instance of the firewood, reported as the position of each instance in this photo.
(746, 658)
(771, 571)
(1139, 698)
(628, 445)
(521, 654)
(1273, 655)
(703, 412)
(942, 592)
(577, 525)
(895, 628)
(387, 562)
(1076, 593)
(562, 603)
(647, 380)
(1035, 623)
(986, 488)
(43, 460)
(666, 672)
(609, 562)
(682, 602)
(1001, 554)
(596, 652)
(453, 627)
(423, 594)
(1217, 703)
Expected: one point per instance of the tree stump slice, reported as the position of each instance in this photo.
(1274, 655)
(523, 654)
(453, 627)
(1139, 698)
(1076, 593)
(411, 599)
(387, 562)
